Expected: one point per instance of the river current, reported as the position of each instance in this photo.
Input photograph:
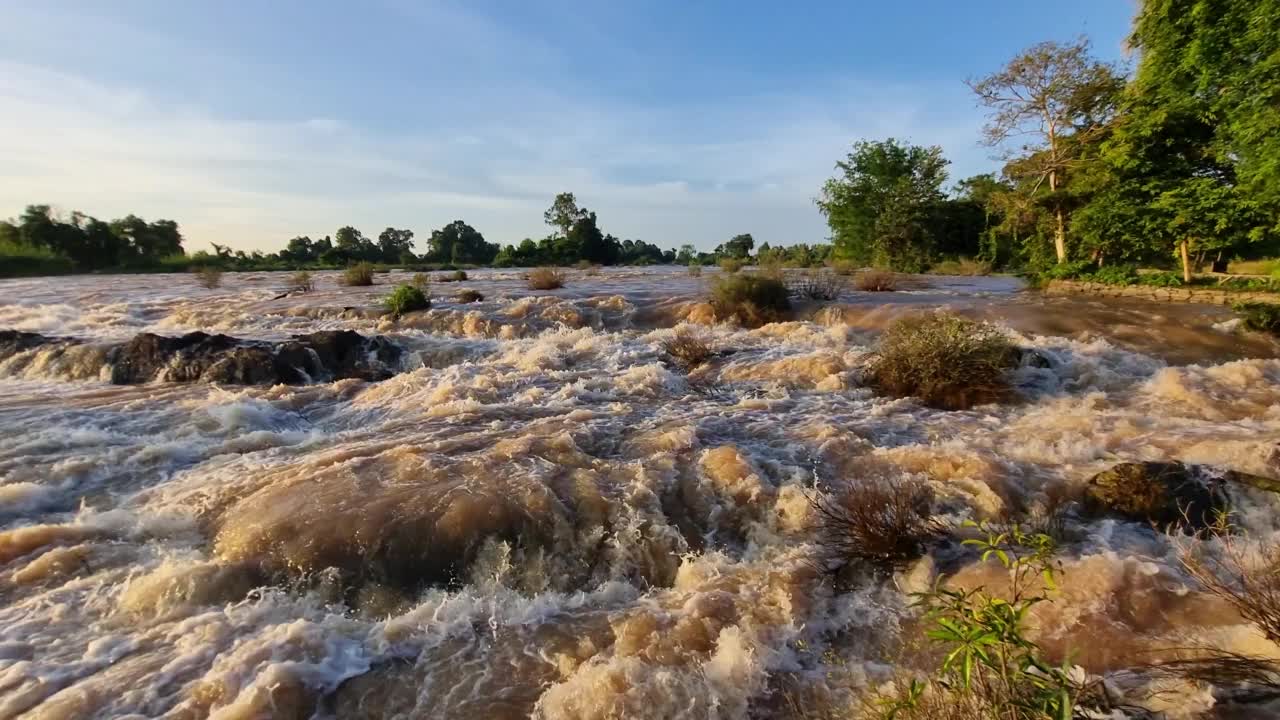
(537, 515)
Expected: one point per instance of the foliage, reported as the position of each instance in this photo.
(18, 260)
(1069, 270)
(962, 266)
(876, 281)
(301, 282)
(1260, 317)
(816, 285)
(405, 298)
(460, 244)
(695, 270)
(881, 207)
(455, 276)
(469, 296)
(687, 350)
(1160, 279)
(947, 362)
(39, 235)
(208, 276)
(751, 298)
(990, 666)
(730, 265)
(738, 247)
(358, 275)
(1115, 275)
(882, 523)
(545, 278)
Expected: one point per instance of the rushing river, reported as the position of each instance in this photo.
(536, 516)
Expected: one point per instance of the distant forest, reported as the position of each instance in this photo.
(1173, 163)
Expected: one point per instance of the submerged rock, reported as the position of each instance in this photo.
(201, 357)
(1167, 493)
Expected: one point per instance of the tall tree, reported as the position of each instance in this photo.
(1060, 97)
(738, 246)
(395, 245)
(881, 206)
(564, 212)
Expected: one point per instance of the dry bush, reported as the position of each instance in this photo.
(816, 285)
(301, 282)
(876, 281)
(753, 299)
(455, 276)
(963, 266)
(208, 276)
(695, 270)
(842, 267)
(469, 296)
(687, 350)
(545, 278)
(422, 281)
(358, 275)
(1250, 581)
(947, 362)
(878, 522)
(730, 265)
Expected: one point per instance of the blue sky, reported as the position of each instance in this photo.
(677, 122)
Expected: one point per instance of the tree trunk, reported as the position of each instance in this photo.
(1059, 232)
(1186, 261)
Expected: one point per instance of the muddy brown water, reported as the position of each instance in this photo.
(538, 517)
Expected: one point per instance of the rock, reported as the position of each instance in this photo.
(1167, 493)
(13, 342)
(198, 356)
(1033, 358)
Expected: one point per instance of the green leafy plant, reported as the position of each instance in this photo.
(1161, 279)
(1115, 275)
(990, 666)
(1068, 270)
(1260, 317)
(405, 298)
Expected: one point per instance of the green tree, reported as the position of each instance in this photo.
(1060, 99)
(564, 212)
(395, 245)
(882, 206)
(460, 244)
(739, 247)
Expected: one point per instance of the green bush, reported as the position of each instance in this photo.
(753, 299)
(1161, 279)
(947, 362)
(1260, 317)
(17, 259)
(404, 299)
(730, 265)
(358, 275)
(1114, 275)
(1068, 270)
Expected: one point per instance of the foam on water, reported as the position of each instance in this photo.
(540, 517)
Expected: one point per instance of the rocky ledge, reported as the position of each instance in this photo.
(201, 357)
(1203, 295)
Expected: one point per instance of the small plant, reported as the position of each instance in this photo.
(1248, 580)
(208, 276)
(405, 299)
(687, 350)
(358, 275)
(816, 285)
(545, 278)
(990, 668)
(730, 265)
(962, 266)
(455, 276)
(1161, 279)
(876, 281)
(301, 282)
(422, 281)
(468, 296)
(1260, 317)
(946, 361)
(695, 269)
(1115, 275)
(754, 300)
(878, 522)
(1068, 270)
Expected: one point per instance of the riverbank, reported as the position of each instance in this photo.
(1207, 296)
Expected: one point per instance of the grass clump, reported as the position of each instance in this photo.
(422, 281)
(876, 281)
(961, 266)
(358, 275)
(1260, 317)
(816, 285)
(730, 265)
(947, 362)
(455, 276)
(208, 276)
(695, 269)
(469, 296)
(405, 299)
(301, 282)
(877, 522)
(687, 350)
(843, 267)
(545, 278)
(753, 299)
(20, 259)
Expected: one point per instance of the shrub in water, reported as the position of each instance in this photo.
(881, 523)
(948, 362)
(422, 281)
(816, 285)
(1260, 317)
(843, 267)
(301, 282)
(687, 350)
(753, 299)
(404, 299)
(455, 276)
(545, 278)
(730, 265)
(208, 276)
(695, 270)
(876, 281)
(358, 275)
(963, 266)
(469, 296)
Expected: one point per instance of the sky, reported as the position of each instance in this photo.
(677, 121)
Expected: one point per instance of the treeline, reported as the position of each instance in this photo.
(1177, 163)
(40, 241)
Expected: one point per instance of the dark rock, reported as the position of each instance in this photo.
(1034, 358)
(13, 342)
(1167, 493)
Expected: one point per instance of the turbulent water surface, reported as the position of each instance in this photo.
(536, 515)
